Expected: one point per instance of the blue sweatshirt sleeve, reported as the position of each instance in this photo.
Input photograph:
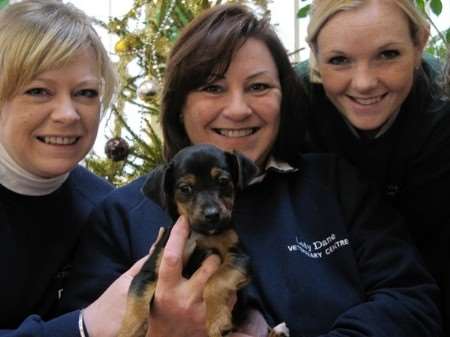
(33, 326)
(120, 231)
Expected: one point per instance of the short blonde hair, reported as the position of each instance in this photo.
(324, 10)
(41, 35)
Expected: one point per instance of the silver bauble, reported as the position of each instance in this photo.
(147, 89)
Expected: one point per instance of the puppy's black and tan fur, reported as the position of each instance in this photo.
(200, 182)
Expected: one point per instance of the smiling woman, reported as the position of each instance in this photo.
(377, 102)
(55, 117)
(366, 60)
(239, 111)
(55, 79)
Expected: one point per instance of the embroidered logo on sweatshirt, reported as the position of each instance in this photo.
(320, 248)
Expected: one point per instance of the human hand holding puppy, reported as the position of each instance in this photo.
(178, 308)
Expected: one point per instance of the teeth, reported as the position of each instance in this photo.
(56, 140)
(368, 101)
(233, 133)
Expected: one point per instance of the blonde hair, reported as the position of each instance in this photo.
(324, 10)
(41, 35)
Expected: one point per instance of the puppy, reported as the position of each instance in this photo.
(200, 182)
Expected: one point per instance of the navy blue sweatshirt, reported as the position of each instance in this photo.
(38, 237)
(327, 256)
(410, 163)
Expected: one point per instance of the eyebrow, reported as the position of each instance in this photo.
(390, 45)
(259, 73)
(216, 77)
(88, 81)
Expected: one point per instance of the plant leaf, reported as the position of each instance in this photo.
(436, 6)
(3, 3)
(304, 11)
(421, 5)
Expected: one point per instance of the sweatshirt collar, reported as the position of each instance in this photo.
(274, 164)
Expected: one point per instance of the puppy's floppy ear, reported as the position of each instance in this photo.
(157, 185)
(242, 168)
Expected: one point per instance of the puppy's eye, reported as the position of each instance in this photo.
(185, 189)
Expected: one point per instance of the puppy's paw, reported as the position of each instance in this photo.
(281, 330)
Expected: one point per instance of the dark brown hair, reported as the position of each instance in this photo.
(206, 47)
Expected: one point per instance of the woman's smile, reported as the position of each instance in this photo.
(58, 140)
(236, 133)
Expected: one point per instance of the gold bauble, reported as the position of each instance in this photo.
(121, 46)
(127, 44)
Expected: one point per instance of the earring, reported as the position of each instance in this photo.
(181, 118)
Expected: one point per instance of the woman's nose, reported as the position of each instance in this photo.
(364, 79)
(65, 111)
(237, 107)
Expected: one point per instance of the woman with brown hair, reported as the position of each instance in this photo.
(328, 257)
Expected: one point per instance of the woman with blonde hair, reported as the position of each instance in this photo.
(55, 81)
(376, 101)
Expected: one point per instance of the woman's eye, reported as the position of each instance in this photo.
(212, 88)
(89, 93)
(338, 60)
(259, 87)
(389, 54)
(37, 92)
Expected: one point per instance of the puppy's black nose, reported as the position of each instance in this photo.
(211, 214)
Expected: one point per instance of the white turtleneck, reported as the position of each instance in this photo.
(18, 180)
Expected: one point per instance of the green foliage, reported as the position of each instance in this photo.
(436, 6)
(304, 11)
(438, 45)
(3, 3)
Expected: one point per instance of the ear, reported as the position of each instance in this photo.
(422, 39)
(242, 168)
(157, 185)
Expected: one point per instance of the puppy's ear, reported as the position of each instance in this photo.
(242, 168)
(157, 185)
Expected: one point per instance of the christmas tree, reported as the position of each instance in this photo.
(145, 34)
(3, 3)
